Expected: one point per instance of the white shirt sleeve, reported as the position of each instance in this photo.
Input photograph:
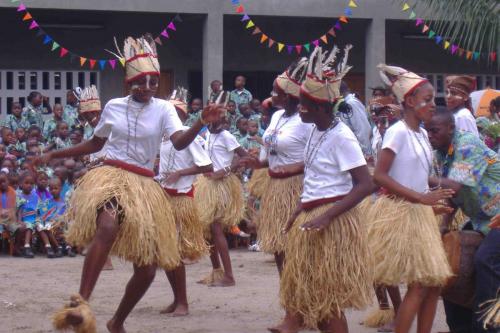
(394, 139)
(103, 128)
(172, 122)
(464, 121)
(348, 154)
(200, 155)
(230, 141)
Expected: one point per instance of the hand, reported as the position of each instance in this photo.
(495, 222)
(317, 224)
(432, 198)
(172, 178)
(251, 162)
(289, 224)
(45, 99)
(43, 159)
(441, 209)
(212, 113)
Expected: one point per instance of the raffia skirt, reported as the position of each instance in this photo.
(327, 271)
(278, 203)
(147, 233)
(258, 183)
(192, 244)
(219, 201)
(405, 244)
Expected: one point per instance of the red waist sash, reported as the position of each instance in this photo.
(282, 175)
(129, 167)
(175, 193)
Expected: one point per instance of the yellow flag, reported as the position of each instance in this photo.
(280, 47)
(446, 45)
(353, 4)
(405, 7)
(122, 61)
(250, 24)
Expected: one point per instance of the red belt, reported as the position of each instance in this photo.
(175, 193)
(281, 175)
(129, 167)
(316, 203)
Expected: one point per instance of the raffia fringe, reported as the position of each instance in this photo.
(88, 325)
(192, 244)
(220, 201)
(216, 275)
(379, 318)
(405, 244)
(491, 316)
(277, 206)
(328, 271)
(147, 233)
(459, 221)
(258, 183)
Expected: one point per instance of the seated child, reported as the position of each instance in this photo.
(27, 205)
(8, 219)
(13, 146)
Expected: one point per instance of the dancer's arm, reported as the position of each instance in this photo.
(91, 146)
(173, 177)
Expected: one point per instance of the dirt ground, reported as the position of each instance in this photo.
(30, 290)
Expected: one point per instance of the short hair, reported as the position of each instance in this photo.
(444, 114)
(240, 119)
(32, 95)
(34, 128)
(496, 102)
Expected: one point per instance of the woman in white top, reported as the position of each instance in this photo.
(220, 201)
(283, 153)
(403, 231)
(458, 90)
(327, 265)
(178, 170)
(118, 208)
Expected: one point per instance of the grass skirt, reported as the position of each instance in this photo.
(277, 206)
(379, 317)
(220, 201)
(491, 316)
(328, 271)
(405, 244)
(258, 183)
(192, 243)
(147, 233)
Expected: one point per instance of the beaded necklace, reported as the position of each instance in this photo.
(311, 154)
(129, 130)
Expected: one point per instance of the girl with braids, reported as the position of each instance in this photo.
(327, 267)
(403, 232)
(284, 144)
(117, 207)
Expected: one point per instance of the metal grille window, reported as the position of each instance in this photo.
(16, 85)
(483, 82)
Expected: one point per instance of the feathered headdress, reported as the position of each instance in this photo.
(401, 81)
(324, 74)
(89, 100)
(140, 57)
(293, 77)
(179, 98)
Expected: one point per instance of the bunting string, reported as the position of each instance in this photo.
(447, 45)
(267, 40)
(64, 52)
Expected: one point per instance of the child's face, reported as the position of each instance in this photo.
(196, 105)
(20, 134)
(63, 130)
(8, 137)
(8, 164)
(75, 138)
(242, 125)
(27, 185)
(36, 135)
(253, 128)
(58, 111)
(4, 182)
(231, 107)
(42, 182)
(55, 188)
(215, 86)
(13, 180)
(17, 110)
(255, 105)
(37, 100)
(3, 151)
(245, 110)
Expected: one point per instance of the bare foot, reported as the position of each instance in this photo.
(224, 282)
(284, 327)
(181, 310)
(169, 309)
(112, 328)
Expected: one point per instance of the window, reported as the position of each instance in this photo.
(10, 80)
(34, 81)
(21, 80)
(46, 80)
(57, 80)
(81, 79)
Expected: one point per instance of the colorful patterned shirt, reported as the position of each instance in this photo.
(192, 118)
(14, 123)
(477, 168)
(240, 97)
(70, 115)
(249, 144)
(27, 204)
(34, 114)
(49, 128)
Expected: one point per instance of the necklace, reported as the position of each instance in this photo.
(211, 147)
(273, 138)
(427, 164)
(311, 153)
(170, 159)
(129, 130)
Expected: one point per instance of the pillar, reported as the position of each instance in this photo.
(375, 54)
(213, 50)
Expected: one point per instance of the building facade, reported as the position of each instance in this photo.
(210, 43)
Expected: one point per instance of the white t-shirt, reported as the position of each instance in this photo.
(413, 161)
(136, 140)
(284, 140)
(328, 175)
(465, 121)
(220, 148)
(358, 123)
(172, 160)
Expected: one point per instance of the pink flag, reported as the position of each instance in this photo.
(164, 33)
(112, 63)
(171, 26)
(419, 22)
(298, 48)
(21, 8)
(316, 42)
(454, 49)
(33, 25)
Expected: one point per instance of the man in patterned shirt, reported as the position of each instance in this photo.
(240, 95)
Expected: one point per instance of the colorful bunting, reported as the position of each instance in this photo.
(112, 63)
(240, 9)
(431, 34)
(425, 29)
(92, 63)
(158, 41)
(419, 22)
(21, 8)
(280, 47)
(245, 18)
(263, 38)
(439, 39)
(55, 46)
(256, 31)
(63, 52)
(446, 45)
(122, 61)
(33, 25)
(307, 47)
(412, 15)
(250, 24)
(289, 48)
(493, 56)
(406, 7)
(171, 26)
(47, 40)
(324, 39)
(352, 4)
(271, 43)
(454, 49)
(102, 64)
(27, 17)
(164, 33)
(343, 19)
(331, 32)
(298, 48)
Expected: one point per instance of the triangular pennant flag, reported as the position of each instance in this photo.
(14, 1)
(250, 24)
(316, 42)
(40, 32)
(102, 64)
(256, 31)
(82, 61)
(439, 39)
(419, 22)
(263, 38)
(164, 33)
(47, 39)
(298, 48)
(343, 19)
(271, 42)
(307, 46)
(177, 18)
(425, 29)
(54, 46)
(446, 45)
(493, 56)
(352, 4)
(27, 17)
(337, 26)
(348, 11)
(21, 8)
(431, 34)
(476, 55)
(289, 48)
(454, 49)
(412, 15)
(63, 52)
(122, 61)
(280, 47)
(33, 25)
(112, 63)
(235, 2)
(324, 39)
(158, 41)
(171, 26)
(92, 63)
(245, 18)
(461, 52)
(406, 7)
(240, 9)
(469, 55)
(332, 32)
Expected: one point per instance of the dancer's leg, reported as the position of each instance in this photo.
(223, 250)
(409, 308)
(279, 257)
(427, 310)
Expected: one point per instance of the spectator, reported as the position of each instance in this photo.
(36, 106)
(240, 95)
(378, 91)
(215, 90)
(194, 112)
(16, 118)
(27, 203)
(50, 125)
(232, 116)
(242, 127)
(70, 113)
(495, 110)
(458, 89)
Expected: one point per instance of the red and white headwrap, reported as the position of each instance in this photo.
(89, 100)
(401, 81)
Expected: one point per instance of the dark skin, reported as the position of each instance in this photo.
(26, 187)
(240, 82)
(419, 300)
(71, 98)
(322, 116)
(17, 110)
(47, 236)
(39, 99)
(142, 90)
